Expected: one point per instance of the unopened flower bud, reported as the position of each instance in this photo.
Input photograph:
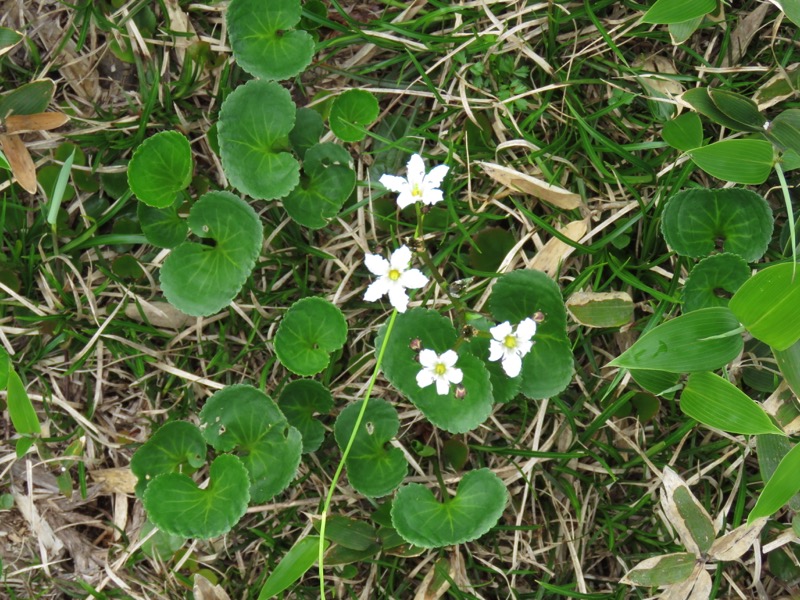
(538, 316)
(460, 392)
(415, 344)
(468, 331)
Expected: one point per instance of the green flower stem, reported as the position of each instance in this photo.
(456, 302)
(346, 453)
(788, 200)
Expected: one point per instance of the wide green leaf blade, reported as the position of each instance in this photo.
(700, 100)
(425, 522)
(175, 503)
(684, 132)
(664, 12)
(716, 402)
(201, 279)
(374, 467)
(20, 408)
(771, 450)
(160, 168)
(297, 561)
(783, 484)
(712, 280)
(697, 341)
(254, 126)
(663, 570)
(28, 99)
(767, 305)
(784, 130)
(697, 221)
(263, 38)
(739, 108)
(740, 161)
(789, 363)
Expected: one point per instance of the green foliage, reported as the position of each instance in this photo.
(201, 279)
(476, 507)
(162, 227)
(299, 401)
(297, 561)
(311, 330)
(175, 446)
(684, 132)
(746, 161)
(712, 279)
(783, 130)
(20, 408)
(28, 99)
(677, 11)
(351, 112)
(783, 484)
(320, 195)
(160, 168)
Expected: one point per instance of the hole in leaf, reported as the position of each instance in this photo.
(370, 427)
(719, 243)
(221, 429)
(211, 242)
(722, 293)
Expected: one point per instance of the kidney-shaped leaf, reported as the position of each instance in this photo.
(160, 168)
(308, 128)
(547, 369)
(311, 329)
(254, 126)
(351, 112)
(299, 400)
(435, 332)
(696, 220)
(718, 403)
(740, 161)
(767, 305)
(664, 12)
(174, 445)
(374, 467)
(162, 227)
(175, 503)
(320, 195)
(424, 521)
(783, 484)
(243, 419)
(263, 38)
(702, 340)
(712, 280)
(201, 279)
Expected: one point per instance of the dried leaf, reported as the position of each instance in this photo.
(687, 516)
(159, 314)
(555, 252)
(20, 161)
(119, 480)
(205, 590)
(179, 21)
(697, 587)
(601, 309)
(743, 34)
(36, 122)
(529, 184)
(435, 584)
(669, 569)
(735, 543)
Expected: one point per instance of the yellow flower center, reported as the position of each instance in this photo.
(510, 342)
(394, 274)
(416, 190)
(440, 369)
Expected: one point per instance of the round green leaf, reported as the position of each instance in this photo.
(244, 420)
(696, 221)
(263, 38)
(684, 132)
(308, 128)
(740, 161)
(767, 305)
(321, 156)
(711, 279)
(254, 126)
(174, 445)
(351, 113)
(201, 279)
(162, 227)
(702, 340)
(176, 505)
(547, 369)
(160, 168)
(424, 521)
(716, 402)
(299, 401)
(435, 332)
(374, 467)
(320, 195)
(311, 329)
(784, 129)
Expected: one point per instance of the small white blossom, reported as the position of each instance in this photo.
(394, 277)
(418, 186)
(511, 347)
(440, 369)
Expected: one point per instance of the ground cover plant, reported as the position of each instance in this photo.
(399, 299)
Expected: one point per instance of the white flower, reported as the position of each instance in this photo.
(510, 347)
(394, 277)
(419, 186)
(441, 369)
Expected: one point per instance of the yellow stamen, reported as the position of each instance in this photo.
(394, 274)
(510, 342)
(416, 190)
(440, 369)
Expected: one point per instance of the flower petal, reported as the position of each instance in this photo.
(406, 199)
(398, 297)
(512, 365)
(393, 183)
(442, 386)
(435, 177)
(428, 358)
(401, 259)
(526, 329)
(449, 358)
(455, 375)
(523, 347)
(416, 169)
(377, 289)
(496, 350)
(431, 197)
(424, 378)
(413, 279)
(499, 332)
(376, 264)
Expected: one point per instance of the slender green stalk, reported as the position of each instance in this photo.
(788, 200)
(346, 453)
